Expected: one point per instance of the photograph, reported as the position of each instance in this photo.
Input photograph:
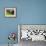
(10, 12)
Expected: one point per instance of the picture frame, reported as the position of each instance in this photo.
(10, 12)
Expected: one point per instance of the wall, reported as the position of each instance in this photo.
(28, 12)
(33, 12)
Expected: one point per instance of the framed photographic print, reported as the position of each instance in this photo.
(10, 12)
